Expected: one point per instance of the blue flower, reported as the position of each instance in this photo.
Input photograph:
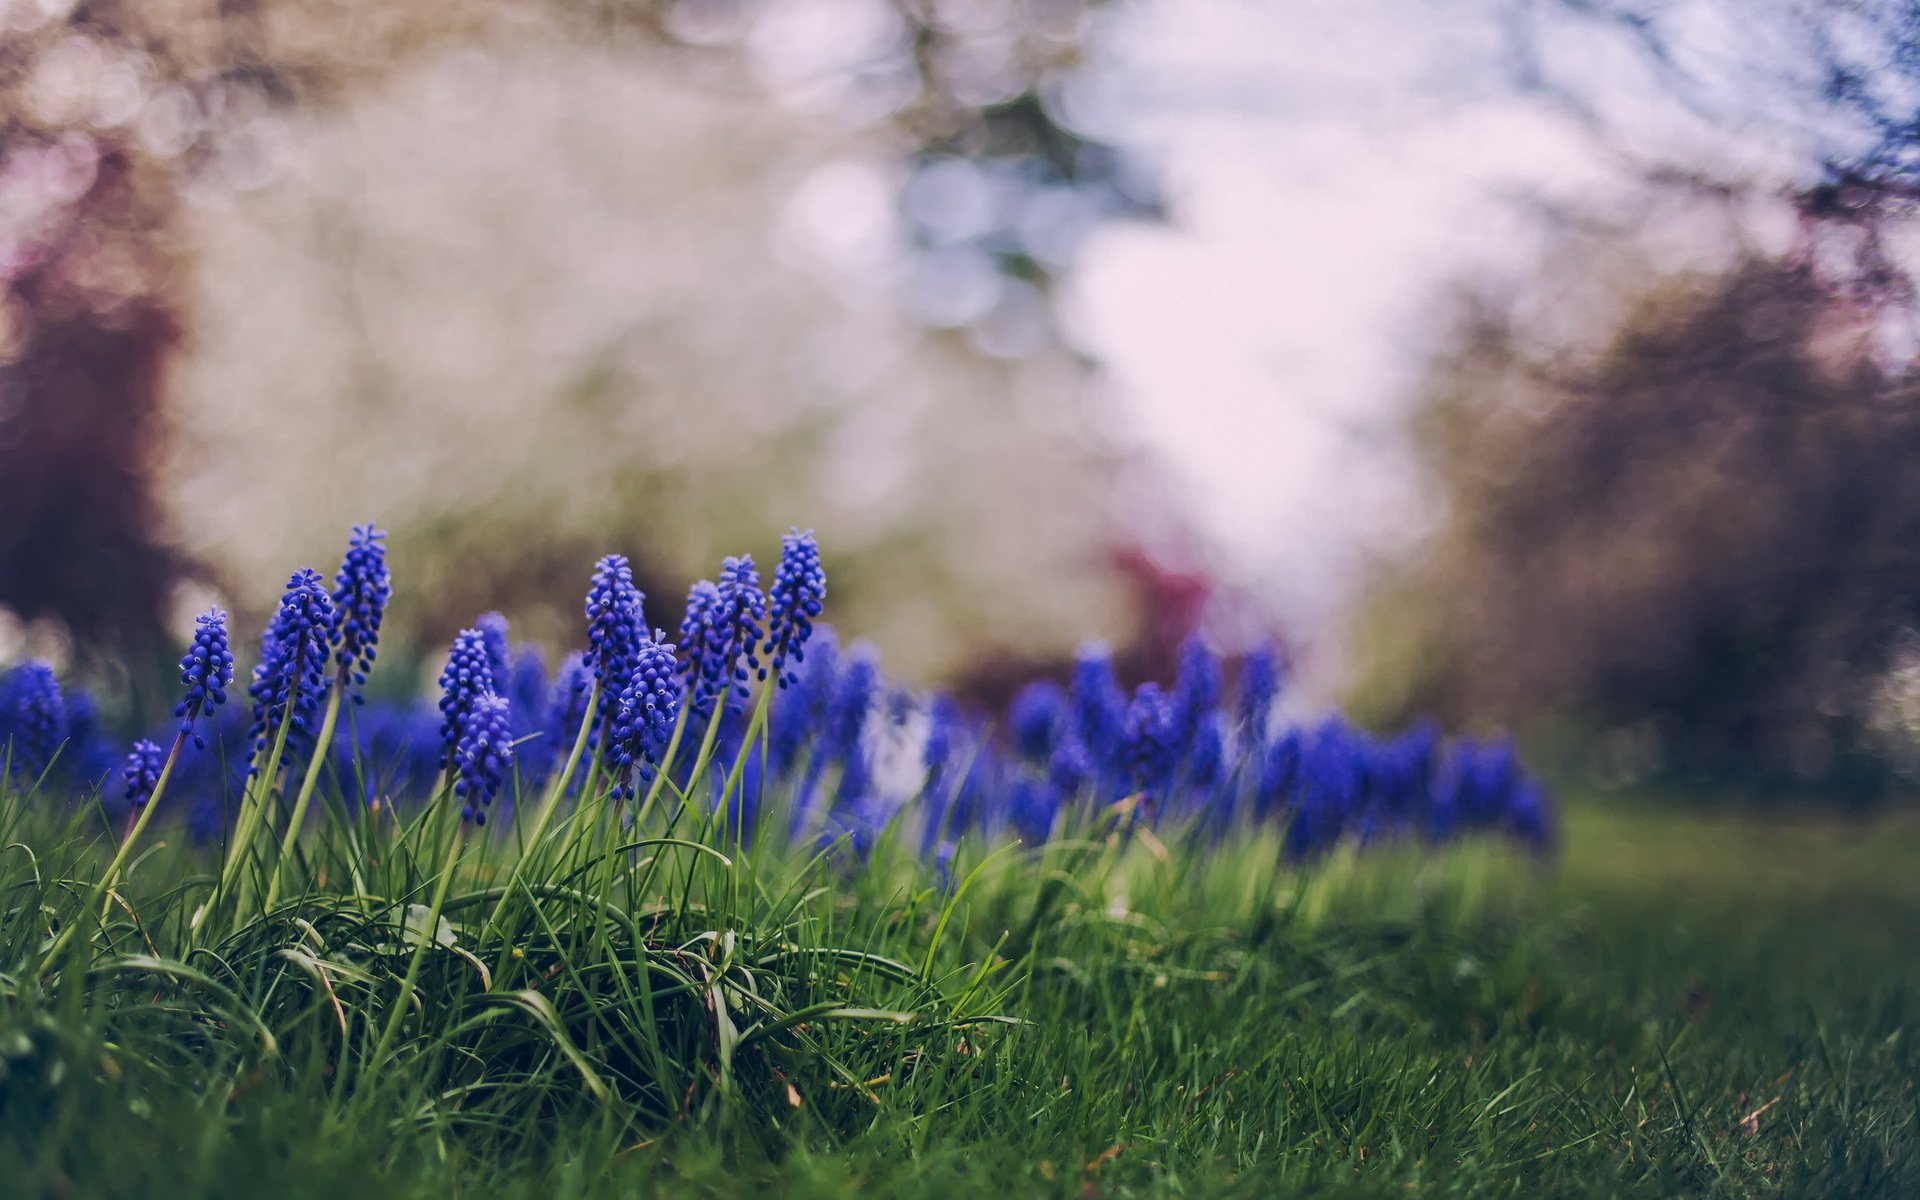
(206, 670)
(1149, 749)
(1205, 764)
(392, 753)
(1071, 768)
(360, 594)
(493, 634)
(1259, 685)
(1036, 717)
(1333, 785)
(616, 625)
(291, 676)
(1099, 706)
(565, 709)
(721, 628)
(936, 753)
(1032, 807)
(649, 705)
(484, 755)
(844, 738)
(89, 756)
(943, 719)
(526, 684)
(737, 619)
(1279, 782)
(33, 719)
(1530, 816)
(142, 772)
(1196, 690)
(799, 715)
(467, 678)
(704, 667)
(795, 600)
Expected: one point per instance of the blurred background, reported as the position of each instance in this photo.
(1539, 363)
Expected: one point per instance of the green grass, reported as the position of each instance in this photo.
(1684, 1005)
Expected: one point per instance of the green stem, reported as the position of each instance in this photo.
(252, 807)
(314, 765)
(549, 804)
(427, 938)
(139, 826)
(103, 891)
(756, 726)
(666, 765)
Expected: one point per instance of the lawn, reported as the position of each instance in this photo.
(1682, 1003)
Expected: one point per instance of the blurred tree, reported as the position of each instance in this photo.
(1702, 525)
(110, 112)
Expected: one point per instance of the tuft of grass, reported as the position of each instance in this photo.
(1685, 1005)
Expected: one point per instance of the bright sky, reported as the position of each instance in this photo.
(1332, 165)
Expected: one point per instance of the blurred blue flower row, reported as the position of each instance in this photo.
(759, 709)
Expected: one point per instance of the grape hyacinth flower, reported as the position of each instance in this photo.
(1279, 782)
(526, 687)
(936, 754)
(361, 590)
(844, 738)
(1099, 707)
(742, 609)
(943, 719)
(1070, 769)
(142, 772)
(483, 756)
(35, 718)
(1036, 716)
(795, 601)
(649, 705)
(1149, 749)
(801, 709)
(493, 633)
(1259, 684)
(616, 625)
(1196, 690)
(566, 707)
(704, 667)
(1205, 763)
(1333, 783)
(291, 677)
(206, 669)
(90, 756)
(721, 628)
(466, 680)
(1032, 808)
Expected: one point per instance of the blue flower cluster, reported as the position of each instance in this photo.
(616, 625)
(361, 590)
(206, 670)
(35, 717)
(1189, 756)
(484, 756)
(649, 705)
(141, 772)
(465, 681)
(291, 678)
(795, 601)
(51, 732)
(848, 755)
